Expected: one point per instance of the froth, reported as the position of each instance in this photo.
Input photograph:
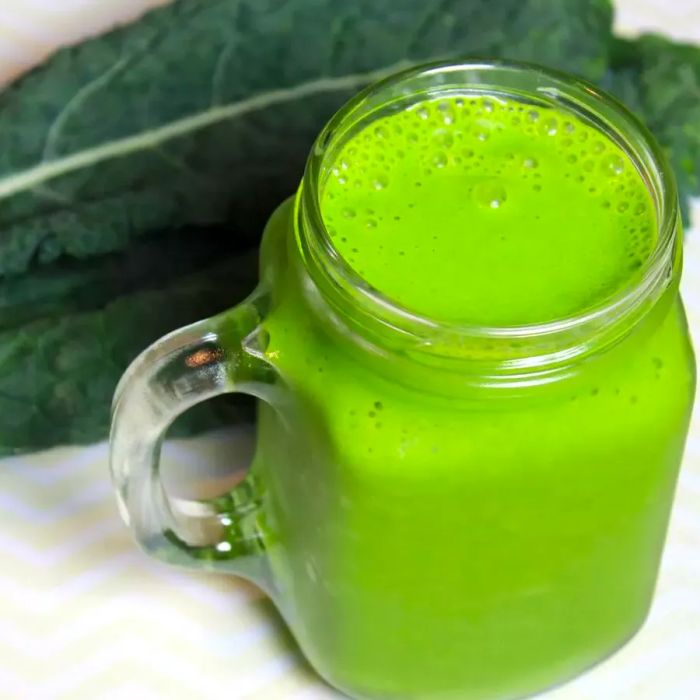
(495, 154)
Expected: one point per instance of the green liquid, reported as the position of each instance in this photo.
(488, 211)
(477, 548)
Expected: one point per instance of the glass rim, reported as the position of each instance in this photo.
(347, 290)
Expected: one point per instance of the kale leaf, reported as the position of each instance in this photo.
(131, 162)
(57, 375)
(660, 81)
(73, 286)
(203, 111)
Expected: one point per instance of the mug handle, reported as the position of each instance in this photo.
(219, 355)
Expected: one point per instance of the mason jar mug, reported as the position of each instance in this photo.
(439, 509)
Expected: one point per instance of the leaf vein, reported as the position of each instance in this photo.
(75, 103)
(220, 70)
(46, 171)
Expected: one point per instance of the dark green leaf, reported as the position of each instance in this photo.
(660, 80)
(57, 376)
(203, 111)
(196, 118)
(70, 286)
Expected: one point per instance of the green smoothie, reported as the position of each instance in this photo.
(488, 211)
(441, 547)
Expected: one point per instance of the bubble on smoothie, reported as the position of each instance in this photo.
(439, 159)
(423, 113)
(349, 213)
(371, 223)
(443, 138)
(530, 163)
(380, 182)
(447, 113)
(571, 158)
(533, 115)
(598, 147)
(612, 165)
(623, 207)
(490, 194)
(549, 127)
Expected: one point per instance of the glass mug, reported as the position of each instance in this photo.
(437, 510)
